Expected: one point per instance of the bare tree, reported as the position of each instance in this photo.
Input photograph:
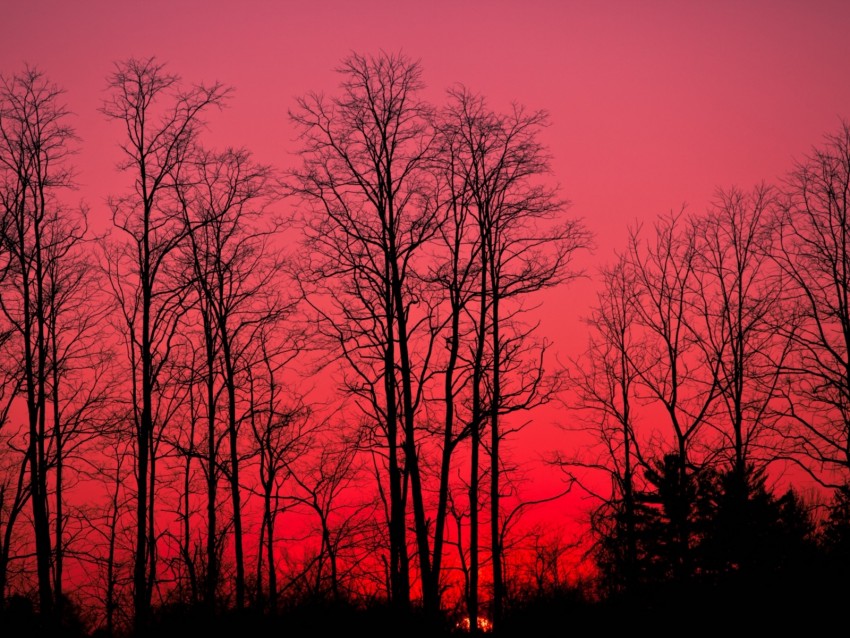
(674, 375)
(738, 295)
(364, 182)
(13, 497)
(548, 567)
(161, 120)
(282, 434)
(524, 245)
(604, 379)
(453, 274)
(38, 233)
(814, 254)
(187, 375)
(109, 561)
(327, 487)
(235, 279)
(13, 465)
(81, 379)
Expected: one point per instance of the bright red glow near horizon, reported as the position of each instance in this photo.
(653, 107)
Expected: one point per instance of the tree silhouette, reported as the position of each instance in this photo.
(283, 432)
(40, 237)
(605, 377)
(835, 531)
(223, 197)
(524, 245)
(364, 182)
(738, 297)
(673, 372)
(814, 254)
(161, 120)
(173, 456)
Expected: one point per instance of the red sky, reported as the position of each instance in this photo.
(653, 104)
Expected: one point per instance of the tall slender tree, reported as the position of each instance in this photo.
(282, 433)
(525, 244)
(161, 119)
(235, 279)
(454, 273)
(674, 374)
(814, 254)
(364, 182)
(39, 231)
(605, 379)
(739, 294)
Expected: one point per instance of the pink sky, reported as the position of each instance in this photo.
(653, 104)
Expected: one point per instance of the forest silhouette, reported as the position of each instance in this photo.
(282, 399)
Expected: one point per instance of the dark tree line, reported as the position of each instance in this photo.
(266, 393)
(713, 373)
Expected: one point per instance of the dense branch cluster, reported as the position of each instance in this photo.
(274, 389)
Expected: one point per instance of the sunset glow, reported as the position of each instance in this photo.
(484, 625)
(453, 309)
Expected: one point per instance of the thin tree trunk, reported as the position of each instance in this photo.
(212, 473)
(477, 420)
(398, 544)
(411, 453)
(495, 471)
(59, 547)
(235, 494)
(448, 448)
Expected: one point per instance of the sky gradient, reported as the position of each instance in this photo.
(653, 105)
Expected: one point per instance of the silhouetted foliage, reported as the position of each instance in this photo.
(222, 499)
(834, 533)
(743, 539)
